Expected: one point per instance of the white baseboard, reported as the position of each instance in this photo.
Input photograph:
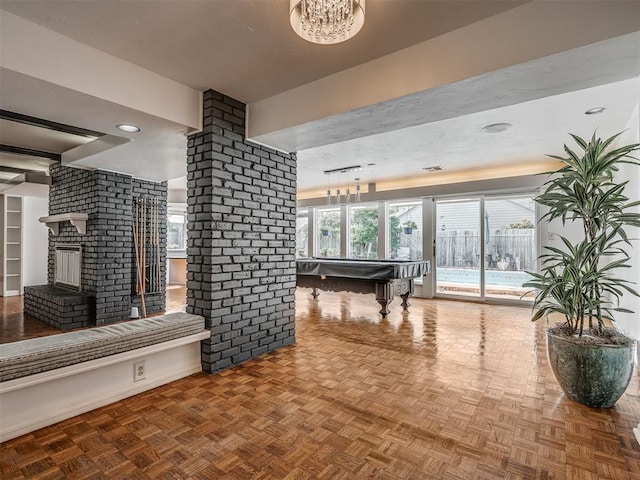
(36, 401)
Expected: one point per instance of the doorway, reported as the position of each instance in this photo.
(484, 246)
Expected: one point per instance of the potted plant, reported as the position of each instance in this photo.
(324, 227)
(329, 223)
(592, 362)
(409, 226)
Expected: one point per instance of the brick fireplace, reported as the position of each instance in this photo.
(106, 290)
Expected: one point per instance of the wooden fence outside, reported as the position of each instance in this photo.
(505, 249)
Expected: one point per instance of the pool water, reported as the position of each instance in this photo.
(491, 277)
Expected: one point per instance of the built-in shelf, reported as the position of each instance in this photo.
(78, 220)
(10, 245)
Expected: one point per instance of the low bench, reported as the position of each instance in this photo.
(48, 379)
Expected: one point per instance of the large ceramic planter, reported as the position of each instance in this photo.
(593, 375)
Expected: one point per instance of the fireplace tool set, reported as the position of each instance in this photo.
(146, 244)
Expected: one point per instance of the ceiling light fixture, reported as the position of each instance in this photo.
(595, 110)
(496, 127)
(338, 195)
(326, 22)
(128, 128)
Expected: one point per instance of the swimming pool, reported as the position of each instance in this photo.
(491, 277)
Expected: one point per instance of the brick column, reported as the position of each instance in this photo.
(241, 238)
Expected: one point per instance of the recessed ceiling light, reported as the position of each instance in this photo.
(128, 128)
(496, 127)
(594, 110)
(436, 168)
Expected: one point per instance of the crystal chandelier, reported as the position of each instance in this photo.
(326, 21)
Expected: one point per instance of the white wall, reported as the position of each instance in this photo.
(630, 322)
(35, 241)
(42, 399)
(40, 53)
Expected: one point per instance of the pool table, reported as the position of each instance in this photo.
(385, 278)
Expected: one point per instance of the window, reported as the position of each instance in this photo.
(404, 220)
(302, 233)
(328, 236)
(176, 232)
(364, 231)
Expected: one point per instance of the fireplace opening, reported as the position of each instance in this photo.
(68, 264)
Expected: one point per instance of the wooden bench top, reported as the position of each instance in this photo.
(35, 355)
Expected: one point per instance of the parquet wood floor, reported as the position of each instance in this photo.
(450, 390)
(15, 325)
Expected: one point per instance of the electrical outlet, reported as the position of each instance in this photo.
(138, 371)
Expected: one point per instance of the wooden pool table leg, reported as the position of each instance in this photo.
(314, 293)
(405, 301)
(384, 296)
(404, 288)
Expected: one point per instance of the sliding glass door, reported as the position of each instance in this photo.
(510, 250)
(485, 245)
(458, 248)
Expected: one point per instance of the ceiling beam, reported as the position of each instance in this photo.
(19, 170)
(30, 152)
(40, 122)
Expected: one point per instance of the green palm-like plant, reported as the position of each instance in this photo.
(579, 281)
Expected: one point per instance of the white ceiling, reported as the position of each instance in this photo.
(539, 127)
(243, 48)
(246, 49)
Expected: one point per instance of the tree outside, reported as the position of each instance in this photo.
(364, 233)
(328, 233)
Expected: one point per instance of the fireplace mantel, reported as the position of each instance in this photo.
(78, 220)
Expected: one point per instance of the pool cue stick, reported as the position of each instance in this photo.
(152, 270)
(152, 251)
(153, 247)
(159, 269)
(143, 251)
(136, 232)
(144, 243)
(135, 245)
